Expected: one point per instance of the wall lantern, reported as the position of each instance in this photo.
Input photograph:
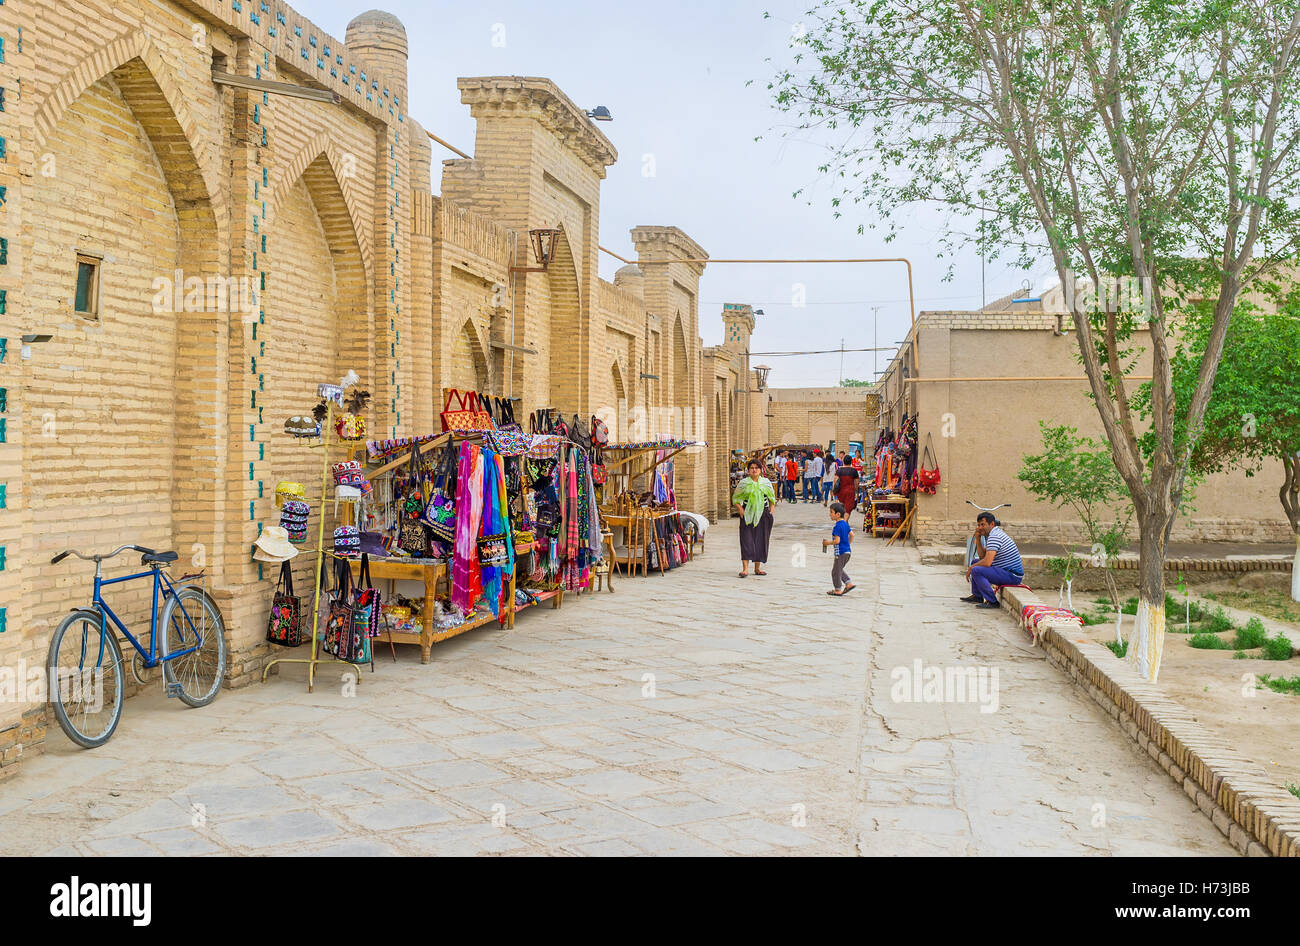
(543, 242)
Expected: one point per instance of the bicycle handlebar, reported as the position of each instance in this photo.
(99, 558)
(988, 508)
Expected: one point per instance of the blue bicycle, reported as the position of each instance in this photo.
(85, 669)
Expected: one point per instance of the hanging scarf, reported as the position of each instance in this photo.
(466, 584)
(755, 495)
(494, 520)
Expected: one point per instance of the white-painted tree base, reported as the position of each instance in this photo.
(1147, 643)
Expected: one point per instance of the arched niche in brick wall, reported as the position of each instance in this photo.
(569, 335)
(469, 364)
(133, 378)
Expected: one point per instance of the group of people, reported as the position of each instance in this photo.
(994, 560)
(821, 475)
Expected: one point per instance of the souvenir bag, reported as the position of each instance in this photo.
(365, 609)
(465, 413)
(284, 627)
(927, 477)
(599, 432)
(411, 533)
(492, 551)
(506, 415)
(580, 434)
(341, 618)
(440, 512)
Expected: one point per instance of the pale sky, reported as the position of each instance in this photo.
(673, 74)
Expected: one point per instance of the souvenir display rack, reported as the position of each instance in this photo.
(328, 441)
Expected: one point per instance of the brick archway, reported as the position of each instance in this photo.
(569, 333)
(111, 58)
(322, 146)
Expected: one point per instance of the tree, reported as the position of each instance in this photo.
(1255, 412)
(1141, 144)
(855, 383)
(1078, 472)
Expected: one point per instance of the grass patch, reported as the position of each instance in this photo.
(1130, 606)
(1272, 604)
(1204, 641)
(1293, 788)
(1118, 649)
(1280, 684)
(1277, 648)
(1251, 636)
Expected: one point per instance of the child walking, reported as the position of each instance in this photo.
(842, 539)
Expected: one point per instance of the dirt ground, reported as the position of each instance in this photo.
(1220, 691)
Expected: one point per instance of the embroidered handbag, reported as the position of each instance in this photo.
(599, 475)
(340, 621)
(927, 477)
(366, 607)
(284, 627)
(440, 512)
(413, 539)
(466, 415)
(512, 443)
(492, 550)
(599, 432)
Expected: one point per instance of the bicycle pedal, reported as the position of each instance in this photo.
(174, 690)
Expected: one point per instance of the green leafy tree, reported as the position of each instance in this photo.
(1077, 472)
(855, 383)
(1254, 415)
(1143, 146)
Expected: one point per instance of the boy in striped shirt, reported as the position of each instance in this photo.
(1000, 564)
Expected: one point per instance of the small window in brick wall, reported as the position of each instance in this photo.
(86, 302)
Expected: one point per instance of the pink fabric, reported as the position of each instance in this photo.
(466, 580)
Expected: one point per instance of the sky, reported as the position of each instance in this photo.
(724, 170)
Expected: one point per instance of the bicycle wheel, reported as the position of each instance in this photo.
(85, 690)
(200, 672)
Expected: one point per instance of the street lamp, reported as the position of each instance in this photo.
(543, 243)
(601, 114)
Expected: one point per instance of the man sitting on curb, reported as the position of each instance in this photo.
(1000, 563)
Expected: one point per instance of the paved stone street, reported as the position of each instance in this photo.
(689, 714)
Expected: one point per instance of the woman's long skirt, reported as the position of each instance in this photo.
(754, 539)
(848, 493)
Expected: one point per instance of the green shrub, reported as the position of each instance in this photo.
(1239, 655)
(1218, 621)
(1293, 788)
(1130, 606)
(1277, 648)
(1280, 684)
(1118, 649)
(1203, 641)
(1251, 636)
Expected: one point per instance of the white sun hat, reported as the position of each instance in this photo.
(274, 546)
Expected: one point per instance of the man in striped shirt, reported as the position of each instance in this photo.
(999, 565)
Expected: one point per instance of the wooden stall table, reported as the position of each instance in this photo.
(889, 515)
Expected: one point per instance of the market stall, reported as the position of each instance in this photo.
(640, 506)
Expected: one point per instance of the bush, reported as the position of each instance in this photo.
(1280, 684)
(1118, 649)
(1130, 606)
(1277, 648)
(1218, 621)
(1203, 641)
(1251, 636)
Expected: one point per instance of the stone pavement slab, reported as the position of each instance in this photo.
(689, 714)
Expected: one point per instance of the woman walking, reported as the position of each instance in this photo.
(754, 499)
(846, 490)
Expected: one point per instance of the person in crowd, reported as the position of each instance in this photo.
(813, 478)
(754, 499)
(846, 490)
(999, 563)
(828, 477)
(842, 539)
(791, 475)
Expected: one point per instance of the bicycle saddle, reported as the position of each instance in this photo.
(160, 558)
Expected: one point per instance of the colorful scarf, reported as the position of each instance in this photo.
(755, 495)
(466, 577)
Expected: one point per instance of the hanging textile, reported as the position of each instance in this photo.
(466, 577)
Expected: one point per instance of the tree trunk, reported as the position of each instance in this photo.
(1146, 642)
(1295, 570)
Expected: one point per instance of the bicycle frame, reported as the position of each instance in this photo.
(106, 613)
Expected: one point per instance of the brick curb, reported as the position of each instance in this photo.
(1258, 818)
(1267, 563)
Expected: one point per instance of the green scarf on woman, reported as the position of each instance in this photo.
(752, 494)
